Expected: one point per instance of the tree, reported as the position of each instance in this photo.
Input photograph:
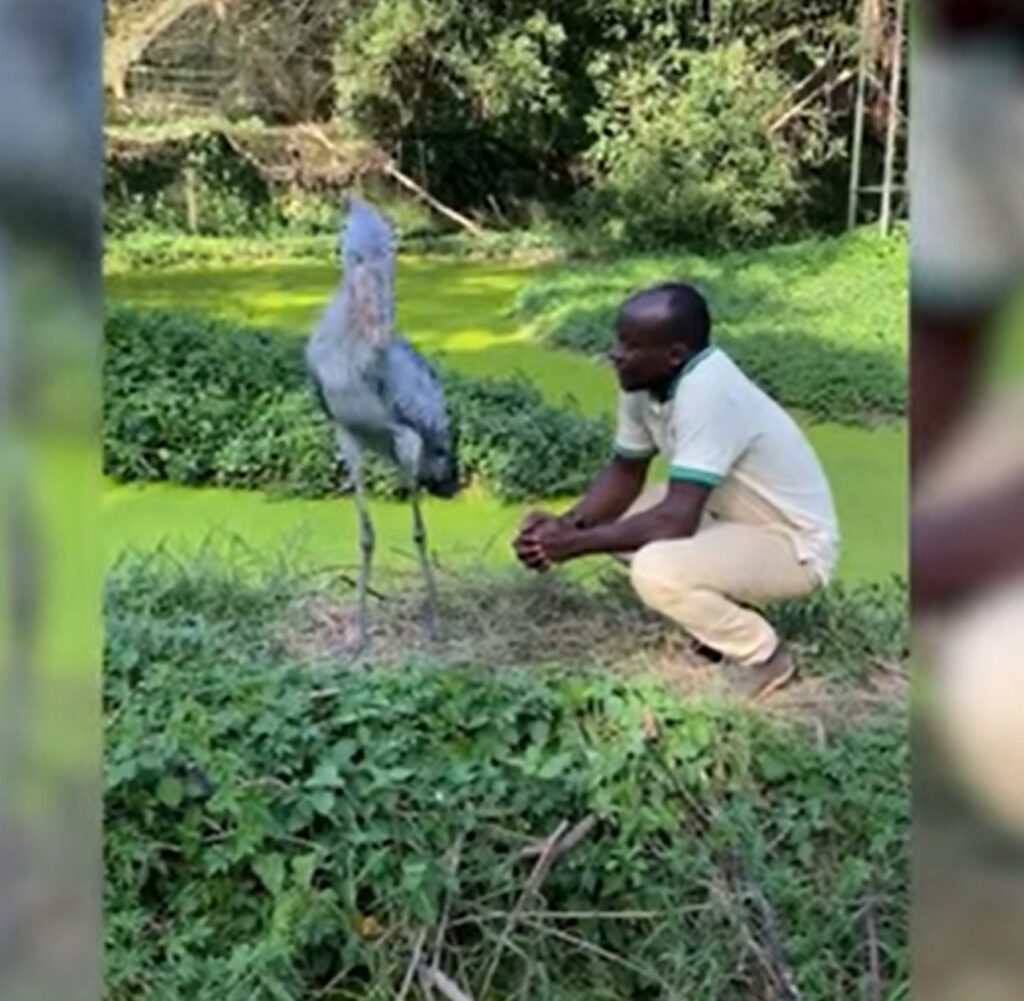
(133, 25)
(681, 151)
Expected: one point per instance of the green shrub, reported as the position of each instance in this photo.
(156, 247)
(282, 831)
(161, 248)
(195, 401)
(682, 155)
(147, 192)
(846, 630)
(821, 324)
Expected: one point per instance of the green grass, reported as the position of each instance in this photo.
(463, 312)
(263, 807)
(821, 324)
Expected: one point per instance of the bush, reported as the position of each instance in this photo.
(682, 155)
(195, 401)
(282, 831)
(143, 250)
(820, 324)
(147, 192)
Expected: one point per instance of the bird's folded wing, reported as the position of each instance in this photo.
(414, 392)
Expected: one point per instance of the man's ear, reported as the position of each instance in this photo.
(678, 353)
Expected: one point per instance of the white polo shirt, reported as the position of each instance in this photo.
(720, 429)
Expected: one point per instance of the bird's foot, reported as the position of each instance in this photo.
(356, 640)
(434, 631)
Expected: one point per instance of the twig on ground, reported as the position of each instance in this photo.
(770, 934)
(567, 916)
(534, 881)
(413, 965)
(875, 990)
(444, 984)
(573, 837)
(442, 928)
(597, 950)
(734, 889)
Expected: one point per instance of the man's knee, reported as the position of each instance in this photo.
(658, 577)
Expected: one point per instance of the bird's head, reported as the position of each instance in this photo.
(368, 263)
(440, 469)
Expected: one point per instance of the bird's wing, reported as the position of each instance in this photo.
(314, 380)
(414, 392)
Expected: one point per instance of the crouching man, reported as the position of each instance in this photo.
(746, 516)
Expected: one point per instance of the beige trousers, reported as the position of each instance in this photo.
(703, 582)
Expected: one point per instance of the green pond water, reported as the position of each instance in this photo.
(459, 313)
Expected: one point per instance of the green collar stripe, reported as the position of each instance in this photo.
(689, 367)
(702, 476)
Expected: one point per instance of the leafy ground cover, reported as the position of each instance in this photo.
(285, 824)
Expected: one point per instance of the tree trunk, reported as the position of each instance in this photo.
(890, 136)
(858, 118)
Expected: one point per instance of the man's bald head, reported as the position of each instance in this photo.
(657, 330)
(673, 312)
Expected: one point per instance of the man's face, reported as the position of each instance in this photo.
(643, 360)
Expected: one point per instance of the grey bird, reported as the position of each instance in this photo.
(378, 392)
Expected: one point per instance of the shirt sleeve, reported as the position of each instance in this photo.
(633, 440)
(710, 435)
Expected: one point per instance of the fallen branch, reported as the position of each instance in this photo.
(736, 913)
(445, 985)
(732, 883)
(797, 92)
(413, 965)
(783, 973)
(426, 984)
(540, 870)
(825, 89)
(567, 916)
(572, 838)
(388, 167)
(875, 991)
(600, 951)
(442, 928)
(449, 213)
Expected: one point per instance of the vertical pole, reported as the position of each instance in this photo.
(890, 137)
(191, 202)
(858, 120)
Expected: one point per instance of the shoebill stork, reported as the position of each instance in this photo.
(380, 395)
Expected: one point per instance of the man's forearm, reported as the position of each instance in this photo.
(609, 497)
(633, 533)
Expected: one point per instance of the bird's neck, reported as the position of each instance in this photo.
(344, 328)
(366, 318)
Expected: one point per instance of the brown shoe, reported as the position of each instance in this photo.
(756, 683)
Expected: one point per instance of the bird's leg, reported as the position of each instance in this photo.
(408, 450)
(346, 461)
(366, 541)
(354, 462)
(419, 536)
